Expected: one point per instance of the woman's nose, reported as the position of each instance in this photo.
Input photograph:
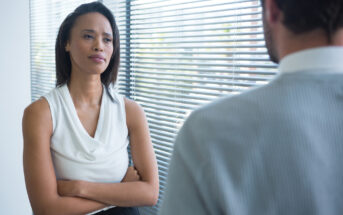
(98, 46)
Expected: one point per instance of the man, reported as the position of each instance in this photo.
(277, 149)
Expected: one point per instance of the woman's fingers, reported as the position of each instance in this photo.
(131, 175)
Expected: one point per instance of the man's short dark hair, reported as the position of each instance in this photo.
(302, 16)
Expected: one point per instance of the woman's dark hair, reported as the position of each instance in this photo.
(63, 64)
(306, 15)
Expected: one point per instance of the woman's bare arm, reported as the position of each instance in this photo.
(138, 193)
(39, 172)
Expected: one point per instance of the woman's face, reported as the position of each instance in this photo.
(90, 44)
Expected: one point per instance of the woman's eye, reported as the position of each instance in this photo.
(108, 40)
(87, 36)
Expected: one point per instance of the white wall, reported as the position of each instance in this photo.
(14, 97)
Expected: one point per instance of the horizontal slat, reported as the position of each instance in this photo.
(202, 46)
(161, 154)
(252, 40)
(169, 120)
(205, 64)
(179, 25)
(183, 96)
(165, 105)
(216, 16)
(203, 35)
(161, 131)
(161, 108)
(177, 81)
(167, 144)
(157, 14)
(258, 72)
(209, 75)
(172, 115)
(197, 53)
(226, 59)
(180, 90)
(228, 88)
(175, 100)
(246, 23)
(197, 30)
(158, 6)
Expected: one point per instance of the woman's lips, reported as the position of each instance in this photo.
(97, 58)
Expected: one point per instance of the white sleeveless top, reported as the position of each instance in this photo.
(78, 156)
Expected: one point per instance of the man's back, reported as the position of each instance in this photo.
(276, 149)
(273, 150)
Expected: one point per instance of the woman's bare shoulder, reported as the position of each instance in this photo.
(132, 108)
(38, 114)
(131, 104)
(134, 113)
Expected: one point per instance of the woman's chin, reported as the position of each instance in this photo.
(96, 71)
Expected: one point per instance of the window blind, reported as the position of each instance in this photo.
(179, 54)
(46, 17)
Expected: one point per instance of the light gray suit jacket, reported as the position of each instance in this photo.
(277, 149)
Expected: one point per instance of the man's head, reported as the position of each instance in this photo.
(301, 17)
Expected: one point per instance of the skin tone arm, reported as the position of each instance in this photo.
(136, 193)
(39, 172)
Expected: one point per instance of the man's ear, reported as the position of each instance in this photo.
(67, 47)
(272, 12)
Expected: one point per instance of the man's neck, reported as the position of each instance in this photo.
(337, 39)
(290, 43)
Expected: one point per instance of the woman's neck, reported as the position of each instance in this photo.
(85, 89)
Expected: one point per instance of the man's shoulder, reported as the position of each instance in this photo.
(253, 101)
(249, 101)
(236, 114)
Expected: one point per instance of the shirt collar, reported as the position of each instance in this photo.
(324, 59)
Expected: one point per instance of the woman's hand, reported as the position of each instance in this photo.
(72, 188)
(68, 188)
(131, 175)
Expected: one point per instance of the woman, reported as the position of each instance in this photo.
(76, 137)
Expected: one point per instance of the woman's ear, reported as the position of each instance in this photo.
(67, 47)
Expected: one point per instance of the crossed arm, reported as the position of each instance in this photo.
(49, 196)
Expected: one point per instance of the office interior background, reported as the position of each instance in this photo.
(176, 55)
